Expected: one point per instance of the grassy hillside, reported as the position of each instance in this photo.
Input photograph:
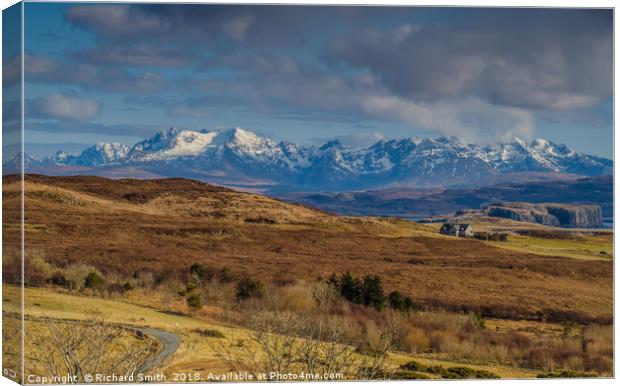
(583, 244)
(162, 227)
(191, 258)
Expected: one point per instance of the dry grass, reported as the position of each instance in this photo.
(128, 226)
(516, 349)
(197, 352)
(146, 234)
(59, 348)
(585, 247)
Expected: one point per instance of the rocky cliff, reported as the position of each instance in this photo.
(572, 216)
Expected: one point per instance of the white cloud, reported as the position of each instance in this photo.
(59, 106)
(471, 118)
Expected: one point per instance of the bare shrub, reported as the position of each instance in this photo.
(36, 270)
(296, 298)
(397, 327)
(328, 351)
(539, 358)
(373, 364)
(325, 295)
(416, 341)
(271, 345)
(217, 292)
(11, 267)
(89, 347)
(282, 342)
(439, 340)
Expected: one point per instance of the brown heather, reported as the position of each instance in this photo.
(542, 312)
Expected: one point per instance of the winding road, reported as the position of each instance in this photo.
(169, 341)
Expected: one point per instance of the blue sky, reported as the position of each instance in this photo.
(116, 72)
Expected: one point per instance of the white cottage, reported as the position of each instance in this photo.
(457, 230)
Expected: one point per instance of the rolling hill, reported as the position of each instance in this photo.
(163, 226)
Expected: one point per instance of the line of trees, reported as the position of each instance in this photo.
(368, 290)
(365, 290)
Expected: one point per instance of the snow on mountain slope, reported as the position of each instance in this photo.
(60, 158)
(14, 164)
(249, 148)
(171, 144)
(237, 146)
(101, 153)
(439, 161)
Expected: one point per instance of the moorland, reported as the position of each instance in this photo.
(236, 275)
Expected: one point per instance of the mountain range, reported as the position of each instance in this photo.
(240, 157)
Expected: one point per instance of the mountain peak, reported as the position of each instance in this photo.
(165, 134)
(540, 142)
(332, 144)
(520, 142)
(243, 135)
(102, 153)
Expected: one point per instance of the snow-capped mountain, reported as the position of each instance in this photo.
(100, 154)
(14, 164)
(103, 154)
(172, 144)
(240, 155)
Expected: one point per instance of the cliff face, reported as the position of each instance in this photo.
(533, 214)
(581, 216)
(572, 216)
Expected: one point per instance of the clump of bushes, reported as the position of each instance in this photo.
(412, 370)
(201, 274)
(566, 374)
(260, 220)
(400, 374)
(404, 304)
(470, 322)
(466, 372)
(58, 279)
(209, 333)
(436, 369)
(36, 270)
(77, 273)
(11, 267)
(94, 281)
(204, 284)
(74, 277)
(491, 236)
(413, 366)
(415, 341)
(248, 288)
(194, 301)
(458, 372)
